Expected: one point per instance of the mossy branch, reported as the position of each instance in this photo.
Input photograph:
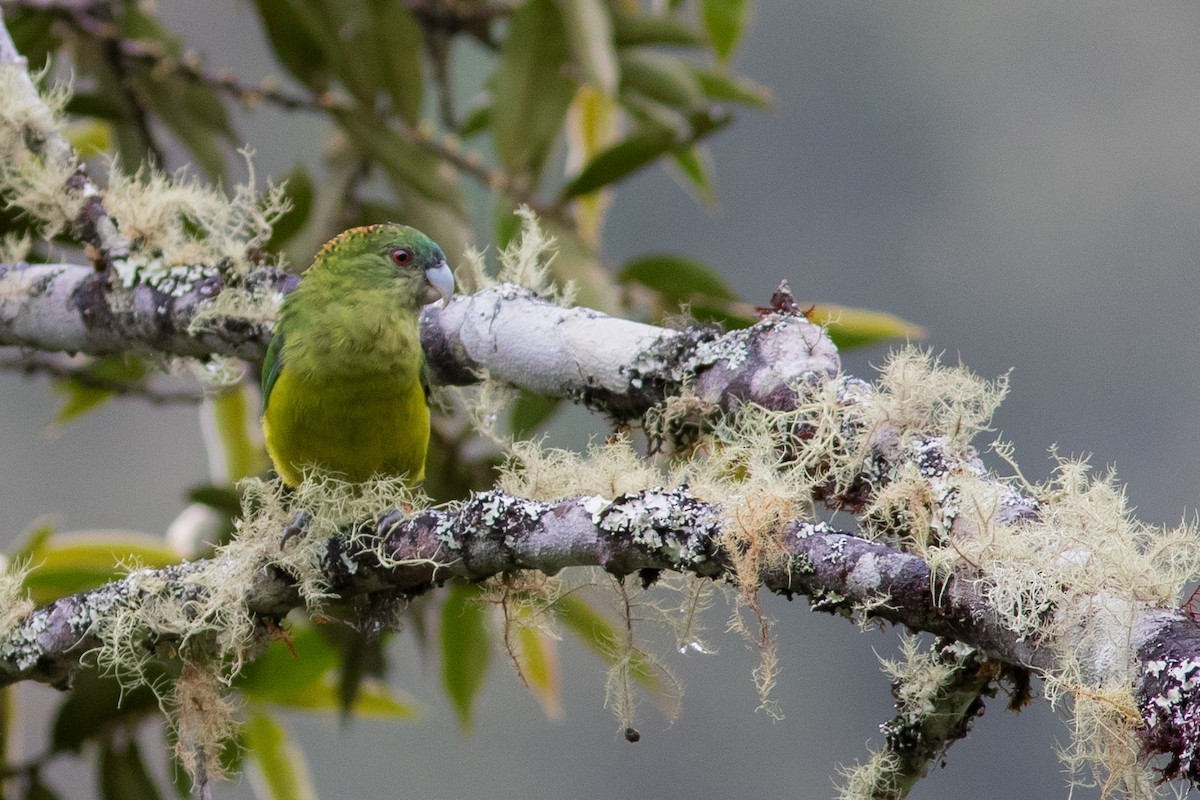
(494, 533)
(35, 124)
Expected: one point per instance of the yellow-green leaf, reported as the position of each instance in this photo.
(725, 22)
(537, 658)
(601, 637)
(660, 77)
(530, 90)
(696, 167)
(677, 278)
(466, 650)
(276, 764)
(398, 36)
(300, 658)
(635, 28)
(861, 327)
(123, 774)
(67, 563)
(621, 160)
(733, 89)
(588, 26)
(373, 700)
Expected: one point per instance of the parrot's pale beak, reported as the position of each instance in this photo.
(441, 283)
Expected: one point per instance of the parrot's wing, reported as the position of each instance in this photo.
(272, 366)
(425, 377)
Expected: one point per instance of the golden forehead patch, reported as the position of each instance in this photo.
(350, 235)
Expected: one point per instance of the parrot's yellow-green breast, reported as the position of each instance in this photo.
(343, 382)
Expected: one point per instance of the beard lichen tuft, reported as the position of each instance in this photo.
(176, 222)
(32, 177)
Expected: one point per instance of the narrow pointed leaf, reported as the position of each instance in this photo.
(537, 658)
(696, 167)
(295, 36)
(123, 774)
(677, 278)
(661, 77)
(621, 160)
(725, 22)
(398, 36)
(733, 89)
(277, 767)
(588, 26)
(530, 90)
(634, 29)
(862, 327)
(466, 650)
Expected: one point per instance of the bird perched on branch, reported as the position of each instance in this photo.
(344, 383)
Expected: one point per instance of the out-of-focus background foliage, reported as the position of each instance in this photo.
(1018, 179)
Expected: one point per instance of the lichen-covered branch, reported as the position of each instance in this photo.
(62, 307)
(493, 533)
(617, 366)
(640, 533)
(39, 132)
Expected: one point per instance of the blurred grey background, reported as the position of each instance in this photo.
(1021, 178)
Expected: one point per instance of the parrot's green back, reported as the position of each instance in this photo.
(343, 381)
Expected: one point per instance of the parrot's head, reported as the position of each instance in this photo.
(393, 258)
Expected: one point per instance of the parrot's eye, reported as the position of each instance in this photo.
(402, 256)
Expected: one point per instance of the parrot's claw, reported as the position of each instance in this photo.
(391, 519)
(297, 526)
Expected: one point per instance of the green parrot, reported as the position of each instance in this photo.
(344, 382)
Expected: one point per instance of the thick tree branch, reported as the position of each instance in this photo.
(623, 368)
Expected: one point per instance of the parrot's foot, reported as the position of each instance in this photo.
(297, 526)
(391, 519)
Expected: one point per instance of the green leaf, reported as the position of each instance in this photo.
(36, 790)
(619, 161)
(81, 395)
(862, 327)
(193, 113)
(277, 760)
(636, 29)
(295, 34)
(35, 535)
(725, 22)
(475, 120)
(358, 60)
(373, 699)
(407, 165)
(466, 649)
(661, 77)
(588, 24)
(300, 191)
(35, 35)
(536, 655)
(289, 666)
(530, 90)
(531, 411)
(90, 104)
(221, 498)
(677, 278)
(123, 774)
(67, 563)
(362, 655)
(696, 166)
(96, 703)
(733, 89)
(398, 37)
(602, 638)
